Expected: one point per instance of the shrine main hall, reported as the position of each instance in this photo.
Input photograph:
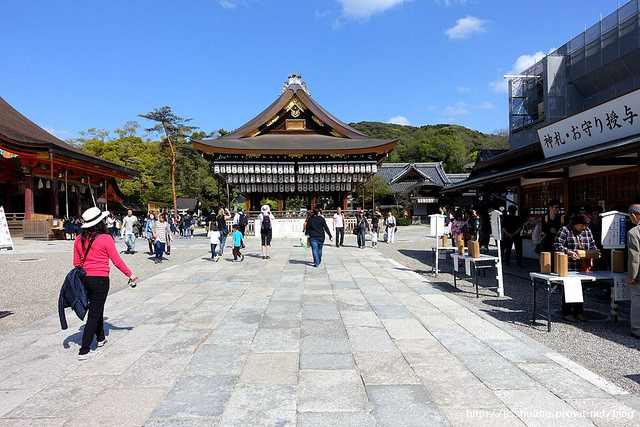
(295, 149)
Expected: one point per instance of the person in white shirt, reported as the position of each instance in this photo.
(338, 226)
(265, 220)
(127, 230)
(390, 225)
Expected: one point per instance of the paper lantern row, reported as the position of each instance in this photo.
(290, 179)
(290, 188)
(289, 169)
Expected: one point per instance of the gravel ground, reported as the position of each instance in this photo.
(38, 269)
(604, 347)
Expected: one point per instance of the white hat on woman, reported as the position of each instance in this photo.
(265, 209)
(93, 216)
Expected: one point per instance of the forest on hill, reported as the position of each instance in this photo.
(452, 145)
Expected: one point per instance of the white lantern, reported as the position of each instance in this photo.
(368, 168)
(339, 168)
(333, 178)
(268, 168)
(352, 169)
(216, 169)
(286, 179)
(374, 168)
(317, 169)
(334, 168)
(357, 168)
(323, 169)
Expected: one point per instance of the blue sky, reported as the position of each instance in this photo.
(74, 64)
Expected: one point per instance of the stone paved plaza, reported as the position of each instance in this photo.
(360, 341)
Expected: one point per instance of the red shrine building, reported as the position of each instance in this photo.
(295, 148)
(42, 176)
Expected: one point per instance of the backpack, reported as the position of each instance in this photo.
(243, 221)
(266, 223)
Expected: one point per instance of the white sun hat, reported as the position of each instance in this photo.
(265, 209)
(93, 216)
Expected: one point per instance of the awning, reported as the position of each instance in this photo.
(619, 147)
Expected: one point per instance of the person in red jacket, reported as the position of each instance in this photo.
(96, 264)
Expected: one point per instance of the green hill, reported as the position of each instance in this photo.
(453, 145)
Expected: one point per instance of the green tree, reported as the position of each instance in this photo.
(174, 129)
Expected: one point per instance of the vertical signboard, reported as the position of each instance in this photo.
(614, 230)
(5, 236)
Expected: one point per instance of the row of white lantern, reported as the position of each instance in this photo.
(338, 168)
(290, 188)
(331, 178)
(249, 168)
(289, 169)
(290, 179)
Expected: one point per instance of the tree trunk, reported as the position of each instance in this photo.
(173, 172)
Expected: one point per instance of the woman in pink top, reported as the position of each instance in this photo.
(96, 264)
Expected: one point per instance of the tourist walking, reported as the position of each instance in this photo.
(390, 225)
(241, 220)
(149, 224)
(221, 220)
(214, 240)
(238, 243)
(161, 234)
(101, 249)
(633, 269)
(316, 229)
(361, 228)
(111, 225)
(129, 234)
(375, 223)
(265, 221)
(187, 226)
(511, 229)
(338, 227)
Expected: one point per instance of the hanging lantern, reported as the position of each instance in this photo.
(63, 188)
(368, 168)
(334, 168)
(374, 168)
(40, 184)
(356, 168)
(216, 169)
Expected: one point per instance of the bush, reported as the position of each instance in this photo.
(403, 221)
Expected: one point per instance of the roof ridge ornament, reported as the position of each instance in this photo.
(294, 79)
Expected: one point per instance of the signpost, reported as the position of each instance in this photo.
(496, 233)
(436, 229)
(5, 236)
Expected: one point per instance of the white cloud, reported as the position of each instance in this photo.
(485, 106)
(451, 2)
(522, 63)
(456, 110)
(464, 89)
(61, 134)
(400, 120)
(228, 4)
(363, 9)
(466, 27)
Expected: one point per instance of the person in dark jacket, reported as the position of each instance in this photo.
(315, 229)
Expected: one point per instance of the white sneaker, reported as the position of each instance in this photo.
(103, 342)
(91, 354)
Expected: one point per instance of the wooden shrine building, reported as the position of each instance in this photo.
(295, 148)
(41, 175)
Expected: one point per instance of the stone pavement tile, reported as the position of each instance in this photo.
(261, 406)
(541, 408)
(270, 369)
(561, 382)
(249, 316)
(287, 307)
(336, 419)
(441, 301)
(344, 285)
(462, 343)
(226, 332)
(40, 422)
(497, 372)
(320, 361)
(323, 346)
(57, 365)
(391, 311)
(180, 341)
(187, 302)
(154, 370)
(9, 399)
(166, 316)
(370, 339)
(196, 396)
(427, 352)
(404, 405)
(516, 351)
(405, 329)
(455, 386)
(331, 391)
(320, 312)
(218, 359)
(117, 357)
(438, 323)
(276, 340)
(280, 321)
(359, 318)
(384, 368)
(62, 398)
(606, 412)
(164, 298)
(481, 328)
(183, 422)
(10, 343)
(323, 329)
(119, 407)
(481, 417)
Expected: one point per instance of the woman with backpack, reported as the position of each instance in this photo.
(265, 219)
(93, 249)
(221, 221)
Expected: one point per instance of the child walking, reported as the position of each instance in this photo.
(214, 235)
(238, 243)
(374, 239)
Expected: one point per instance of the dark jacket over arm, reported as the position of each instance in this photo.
(72, 294)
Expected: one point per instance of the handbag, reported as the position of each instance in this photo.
(80, 272)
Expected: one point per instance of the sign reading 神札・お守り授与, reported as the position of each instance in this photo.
(609, 121)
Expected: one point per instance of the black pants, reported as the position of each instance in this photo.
(339, 236)
(97, 289)
(507, 242)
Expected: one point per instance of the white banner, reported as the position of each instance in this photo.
(618, 118)
(5, 235)
(621, 287)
